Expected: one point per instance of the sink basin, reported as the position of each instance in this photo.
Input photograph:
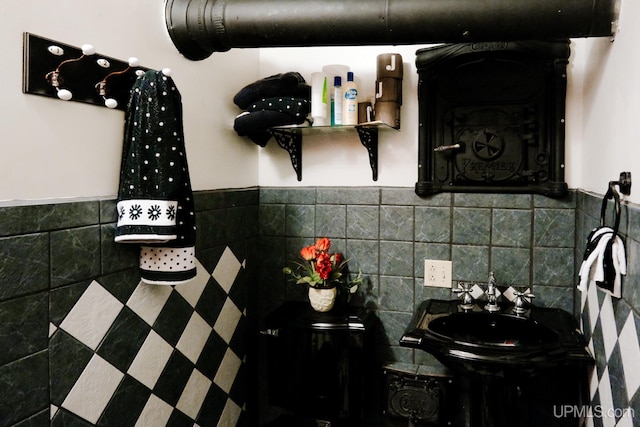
(477, 342)
(484, 329)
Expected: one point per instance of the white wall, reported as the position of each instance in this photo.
(51, 149)
(54, 150)
(611, 106)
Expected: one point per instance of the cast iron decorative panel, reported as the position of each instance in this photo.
(492, 117)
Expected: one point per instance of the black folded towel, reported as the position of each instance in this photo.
(284, 84)
(255, 124)
(295, 107)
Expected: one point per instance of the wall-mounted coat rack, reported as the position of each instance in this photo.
(61, 71)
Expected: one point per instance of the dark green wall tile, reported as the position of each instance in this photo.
(24, 265)
(173, 318)
(396, 223)
(397, 354)
(396, 258)
(554, 227)
(408, 197)
(567, 202)
(62, 300)
(331, 221)
(75, 255)
(634, 224)
(108, 211)
(470, 263)
(210, 228)
(176, 374)
(433, 224)
(511, 266)
(124, 339)
(553, 266)
(241, 223)
(300, 220)
(29, 219)
(471, 226)
(121, 284)
(630, 287)
(243, 197)
(348, 196)
(41, 419)
(64, 418)
(208, 200)
(68, 358)
(363, 222)
(511, 227)
(479, 200)
(393, 324)
(430, 292)
(271, 220)
(24, 327)
(396, 294)
(363, 255)
(288, 195)
(115, 256)
(126, 405)
(24, 387)
(592, 205)
(554, 296)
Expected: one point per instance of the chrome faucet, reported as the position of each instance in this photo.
(492, 297)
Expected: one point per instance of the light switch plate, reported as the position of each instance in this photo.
(437, 273)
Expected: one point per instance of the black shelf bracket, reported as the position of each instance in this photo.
(369, 138)
(291, 140)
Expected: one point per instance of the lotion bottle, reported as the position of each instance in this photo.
(337, 101)
(350, 102)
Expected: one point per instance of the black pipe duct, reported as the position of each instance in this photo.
(200, 27)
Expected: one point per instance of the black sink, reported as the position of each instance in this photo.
(484, 329)
(477, 342)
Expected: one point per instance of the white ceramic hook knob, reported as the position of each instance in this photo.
(134, 62)
(139, 73)
(167, 72)
(104, 63)
(110, 103)
(88, 49)
(56, 50)
(65, 94)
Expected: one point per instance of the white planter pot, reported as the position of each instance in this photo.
(322, 300)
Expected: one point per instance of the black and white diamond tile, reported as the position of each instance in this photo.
(613, 338)
(169, 355)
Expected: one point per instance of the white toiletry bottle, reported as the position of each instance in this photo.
(336, 113)
(350, 106)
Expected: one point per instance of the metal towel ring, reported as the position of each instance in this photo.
(624, 183)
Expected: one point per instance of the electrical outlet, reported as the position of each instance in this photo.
(437, 273)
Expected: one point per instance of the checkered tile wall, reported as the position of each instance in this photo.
(166, 355)
(612, 333)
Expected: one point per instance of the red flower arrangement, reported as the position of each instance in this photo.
(321, 269)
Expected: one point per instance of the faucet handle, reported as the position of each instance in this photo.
(462, 287)
(524, 294)
(522, 300)
(464, 291)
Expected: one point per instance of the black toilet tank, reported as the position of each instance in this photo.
(323, 365)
